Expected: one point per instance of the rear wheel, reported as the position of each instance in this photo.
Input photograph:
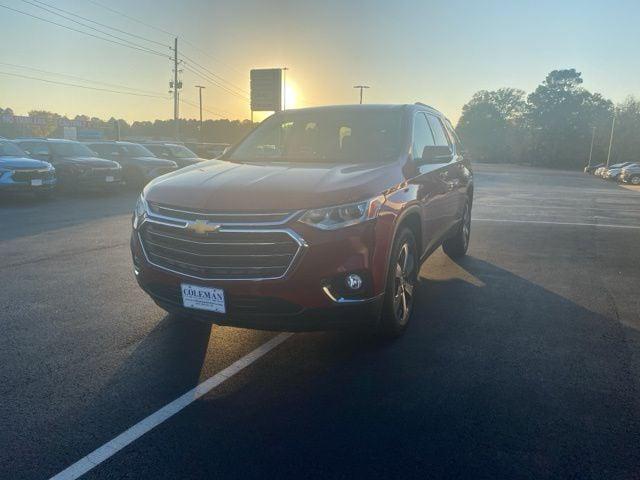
(401, 285)
(635, 180)
(457, 245)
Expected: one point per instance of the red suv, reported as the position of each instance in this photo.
(320, 218)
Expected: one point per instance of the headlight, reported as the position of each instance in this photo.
(140, 211)
(340, 216)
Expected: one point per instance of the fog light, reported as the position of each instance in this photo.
(353, 281)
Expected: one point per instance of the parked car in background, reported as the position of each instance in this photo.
(592, 168)
(174, 152)
(631, 174)
(77, 167)
(614, 170)
(598, 171)
(208, 150)
(139, 165)
(18, 173)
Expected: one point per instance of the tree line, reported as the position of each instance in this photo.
(213, 131)
(551, 127)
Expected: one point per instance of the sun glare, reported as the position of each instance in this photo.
(291, 96)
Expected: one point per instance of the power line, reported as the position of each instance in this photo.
(128, 42)
(113, 10)
(97, 82)
(195, 105)
(128, 45)
(81, 86)
(202, 67)
(153, 27)
(102, 24)
(206, 54)
(215, 83)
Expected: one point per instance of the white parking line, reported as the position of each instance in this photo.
(543, 222)
(110, 448)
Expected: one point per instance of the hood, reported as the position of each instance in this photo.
(225, 186)
(21, 162)
(91, 162)
(154, 162)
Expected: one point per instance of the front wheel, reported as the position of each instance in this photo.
(635, 180)
(457, 245)
(402, 279)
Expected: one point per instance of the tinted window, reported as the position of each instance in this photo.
(71, 149)
(438, 132)
(325, 135)
(179, 151)
(108, 149)
(35, 148)
(8, 149)
(135, 150)
(159, 150)
(422, 136)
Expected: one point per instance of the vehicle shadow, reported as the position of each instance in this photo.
(497, 377)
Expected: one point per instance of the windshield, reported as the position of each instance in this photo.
(8, 149)
(71, 149)
(329, 136)
(179, 151)
(134, 150)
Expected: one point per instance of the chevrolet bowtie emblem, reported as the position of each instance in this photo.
(202, 226)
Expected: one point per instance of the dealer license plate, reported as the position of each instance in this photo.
(203, 298)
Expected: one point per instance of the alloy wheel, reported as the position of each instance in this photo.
(404, 284)
(466, 225)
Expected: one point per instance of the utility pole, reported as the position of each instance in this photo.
(200, 87)
(593, 136)
(613, 126)
(361, 87)
(176, 85)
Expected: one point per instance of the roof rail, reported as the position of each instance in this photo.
(424, 105)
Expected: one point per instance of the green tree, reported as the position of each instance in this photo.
(560, 118)
(626, 140)
(491, 125)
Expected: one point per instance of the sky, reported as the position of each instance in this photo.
(435, 52)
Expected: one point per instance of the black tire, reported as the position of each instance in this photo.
(635, 180)
(402, 279)
(457, 245)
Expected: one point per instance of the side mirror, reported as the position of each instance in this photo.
(435, 154)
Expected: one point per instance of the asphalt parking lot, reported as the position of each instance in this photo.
(522, 361)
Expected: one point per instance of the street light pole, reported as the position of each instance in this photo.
(593, 136)
(200, 87)
(613, 126)
(361, 87)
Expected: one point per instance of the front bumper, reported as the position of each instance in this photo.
(297, 302)
(10, 184)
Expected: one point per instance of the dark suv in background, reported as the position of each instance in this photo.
(174, 152)
(320, 218)
(76, 165)
(139, 165)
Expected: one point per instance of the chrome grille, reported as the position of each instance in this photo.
(229, 253)
(244, 218)
(28, 175)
